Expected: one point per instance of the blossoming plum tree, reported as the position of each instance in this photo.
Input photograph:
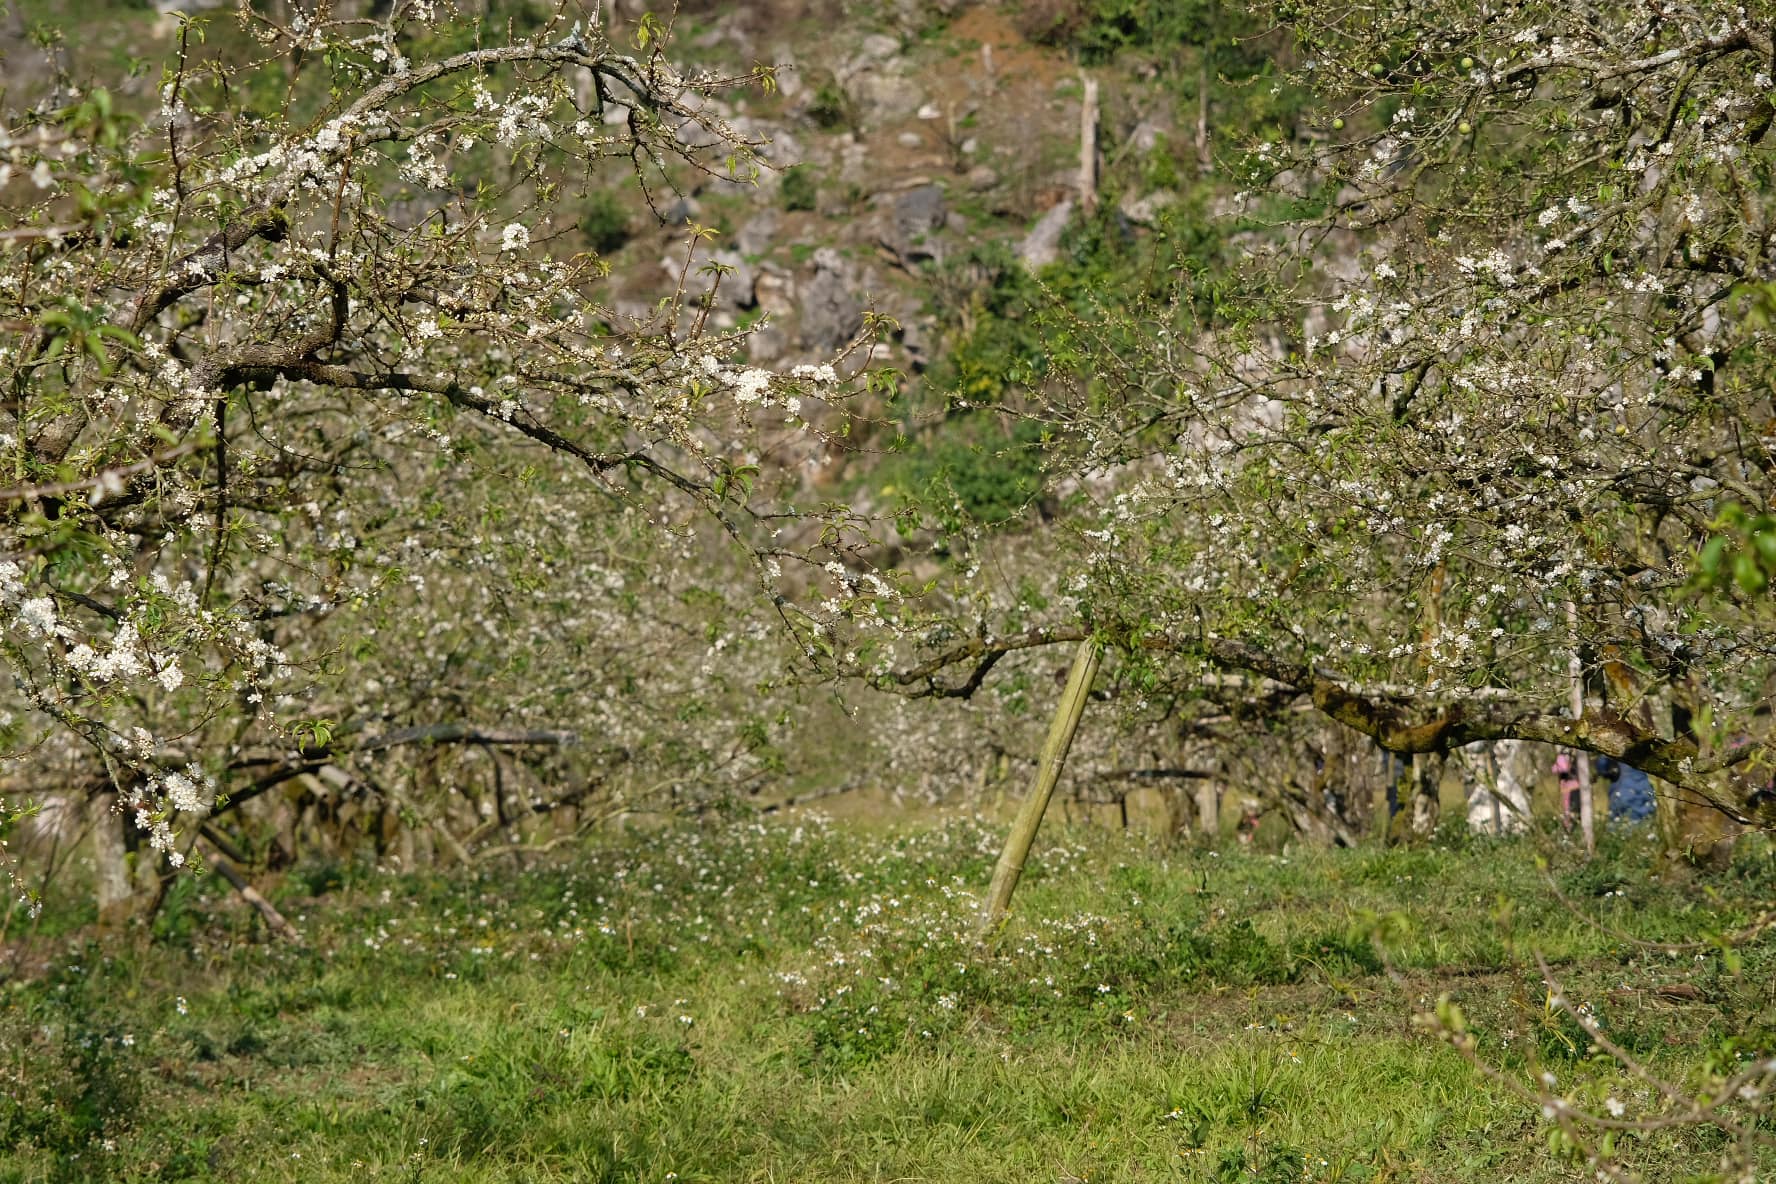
(1485, 409)
(320, 444)
(1485, 413)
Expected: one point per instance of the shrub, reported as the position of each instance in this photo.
(799, 191)
(605, 222)
(830, 107)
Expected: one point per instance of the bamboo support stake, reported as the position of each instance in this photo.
(1088, 144)
(1576, 671)
(1208, 811)
(274, 920)
(1203, 161)
(1048, 773)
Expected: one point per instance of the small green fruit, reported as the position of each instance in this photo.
(1338, 125)
(1465, 128)
(1467, 63)
(1376, 69)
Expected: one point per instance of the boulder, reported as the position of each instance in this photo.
(679, 211)
(908, 220)
(1042, 245)
(884, 96)
(775, 291)
(1144, 210)
(766, 345)
(917, 337)
(759, 234)
(1147, 135)
(831, 312)
(789, 78)
(877, 47)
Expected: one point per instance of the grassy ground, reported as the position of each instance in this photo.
(797, 1003)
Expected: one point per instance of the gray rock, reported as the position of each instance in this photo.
(680, 210)
(877, 47)
(886, 97)
(909, 220)
(916, 338)
(759, 233)
(766, 345)
(1144, 211)
(1042, 245)
(1146, 136)
(789, 77)
(776, 292)
(831, 312)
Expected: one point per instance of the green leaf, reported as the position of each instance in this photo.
(1748, 575)
(1709, 561)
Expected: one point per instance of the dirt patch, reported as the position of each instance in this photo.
(1012, 58)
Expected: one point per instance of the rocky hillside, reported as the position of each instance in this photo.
(925, 163)
(907, 140)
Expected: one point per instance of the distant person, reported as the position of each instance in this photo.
(1247, 829)
(1395, 768)
(1566, 772)
(1630, 790)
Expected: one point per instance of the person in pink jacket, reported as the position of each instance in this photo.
(1566, 770)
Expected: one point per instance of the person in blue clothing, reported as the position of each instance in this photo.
(1630, 790)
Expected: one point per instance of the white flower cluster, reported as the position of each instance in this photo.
(422, 166)
(125, 659)
(752, 387)
(824, 375)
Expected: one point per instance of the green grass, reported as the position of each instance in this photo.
(793, 1002)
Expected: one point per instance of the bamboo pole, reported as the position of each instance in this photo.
(1203, 162)
(1576, 672)
(274, 920)
(1426, 808)
(1088, 144)
(1208, 812)
(1048, 773)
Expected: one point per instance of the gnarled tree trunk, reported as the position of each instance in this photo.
(113, 886)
